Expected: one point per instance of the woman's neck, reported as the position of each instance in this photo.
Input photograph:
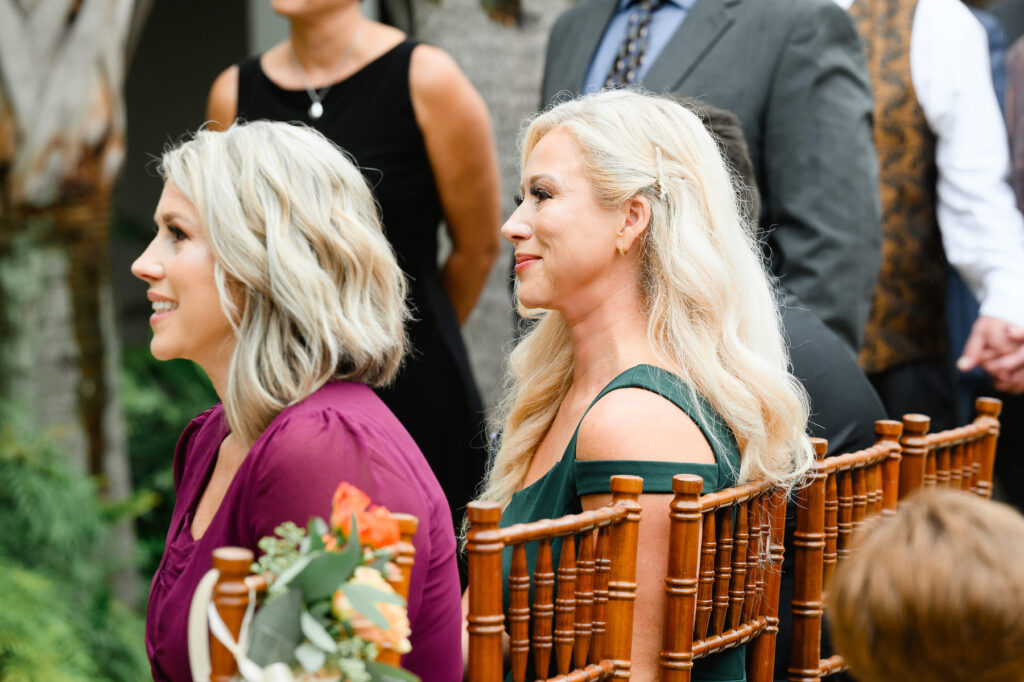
(217, 367)
(320, 41)
(609, 338)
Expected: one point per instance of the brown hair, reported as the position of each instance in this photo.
(934, 593)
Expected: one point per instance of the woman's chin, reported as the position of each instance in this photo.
(160, 351)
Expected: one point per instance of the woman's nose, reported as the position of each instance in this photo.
(516, 228)
(146, 267)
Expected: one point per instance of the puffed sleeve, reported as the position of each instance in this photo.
(301, 463)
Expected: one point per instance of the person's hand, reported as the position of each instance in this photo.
(998, 347)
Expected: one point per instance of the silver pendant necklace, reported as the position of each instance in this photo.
(316, 107)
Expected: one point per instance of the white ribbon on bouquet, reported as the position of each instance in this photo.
(203, 620)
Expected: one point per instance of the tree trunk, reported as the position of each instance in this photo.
(62, 68)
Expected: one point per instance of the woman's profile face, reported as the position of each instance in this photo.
(188, 321)
(565, 241)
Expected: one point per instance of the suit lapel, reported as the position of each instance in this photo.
(704, 25)
(587, 36)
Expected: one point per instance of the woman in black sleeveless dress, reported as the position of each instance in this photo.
(421, 135)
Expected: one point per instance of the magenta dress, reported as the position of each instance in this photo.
(343, 432)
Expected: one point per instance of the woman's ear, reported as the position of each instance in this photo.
(636, 220)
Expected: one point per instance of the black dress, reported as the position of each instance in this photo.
(370, 115)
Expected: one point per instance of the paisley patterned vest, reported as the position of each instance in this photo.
(907, 320)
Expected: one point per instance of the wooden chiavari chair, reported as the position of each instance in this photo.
(844, 493)
(962, 458)
(233, 586)
(722, 589)
(584, 617)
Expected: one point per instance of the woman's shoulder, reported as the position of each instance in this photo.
(343, 426)
(636, 423)
(337, 410)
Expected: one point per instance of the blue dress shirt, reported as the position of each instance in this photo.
(664, 22)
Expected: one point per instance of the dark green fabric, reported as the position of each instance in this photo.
(558, 492)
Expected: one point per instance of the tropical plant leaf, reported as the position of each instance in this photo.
(276, 629)
(311, 658)
(364, 599)
(381, 672)
(317, 634)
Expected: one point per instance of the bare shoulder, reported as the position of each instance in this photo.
(433, 72)
(446, 104)
(222, 104)
(634, 423)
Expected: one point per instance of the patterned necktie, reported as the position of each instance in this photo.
(630, 56)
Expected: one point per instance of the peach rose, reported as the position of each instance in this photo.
(396, 635)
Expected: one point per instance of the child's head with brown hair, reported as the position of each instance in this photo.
(935, 592)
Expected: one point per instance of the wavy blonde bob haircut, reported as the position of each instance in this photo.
(710, 307)
(304, 271)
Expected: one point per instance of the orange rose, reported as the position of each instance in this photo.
(348, 500)
(377, 528)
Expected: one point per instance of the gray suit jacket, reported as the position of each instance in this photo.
(793, 72)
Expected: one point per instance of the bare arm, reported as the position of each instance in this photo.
(456, 129)
(633, 424)
(222, 104)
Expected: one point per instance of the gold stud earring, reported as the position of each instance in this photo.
(622, 250)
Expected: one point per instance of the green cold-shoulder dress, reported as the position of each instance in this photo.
(558, 492)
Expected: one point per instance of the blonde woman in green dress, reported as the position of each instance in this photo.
(657, 347)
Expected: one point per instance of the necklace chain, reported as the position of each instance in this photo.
(316, 107)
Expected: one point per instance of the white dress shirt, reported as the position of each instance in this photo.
(982, 230)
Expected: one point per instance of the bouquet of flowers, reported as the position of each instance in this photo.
(329, 610)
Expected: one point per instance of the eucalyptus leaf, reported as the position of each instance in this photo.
(381, 672)
(276, 629)
(283, 581)
(317, 527)
(311, 658)
(364, 599)
(325, 573)
(317, 634)
(321, 610)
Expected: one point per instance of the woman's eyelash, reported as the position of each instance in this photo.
(176, 232)
(518, 199)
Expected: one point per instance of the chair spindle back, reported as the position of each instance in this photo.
(722, 588)
(962, 457)
(843, 494)
(581, 615)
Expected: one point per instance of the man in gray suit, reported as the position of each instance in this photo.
(794, 74)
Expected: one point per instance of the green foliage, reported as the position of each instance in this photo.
(297, 621)
(58, 620)
(159, 399)
(279, 552)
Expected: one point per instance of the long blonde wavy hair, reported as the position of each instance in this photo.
(303, 269)
(707, 295)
